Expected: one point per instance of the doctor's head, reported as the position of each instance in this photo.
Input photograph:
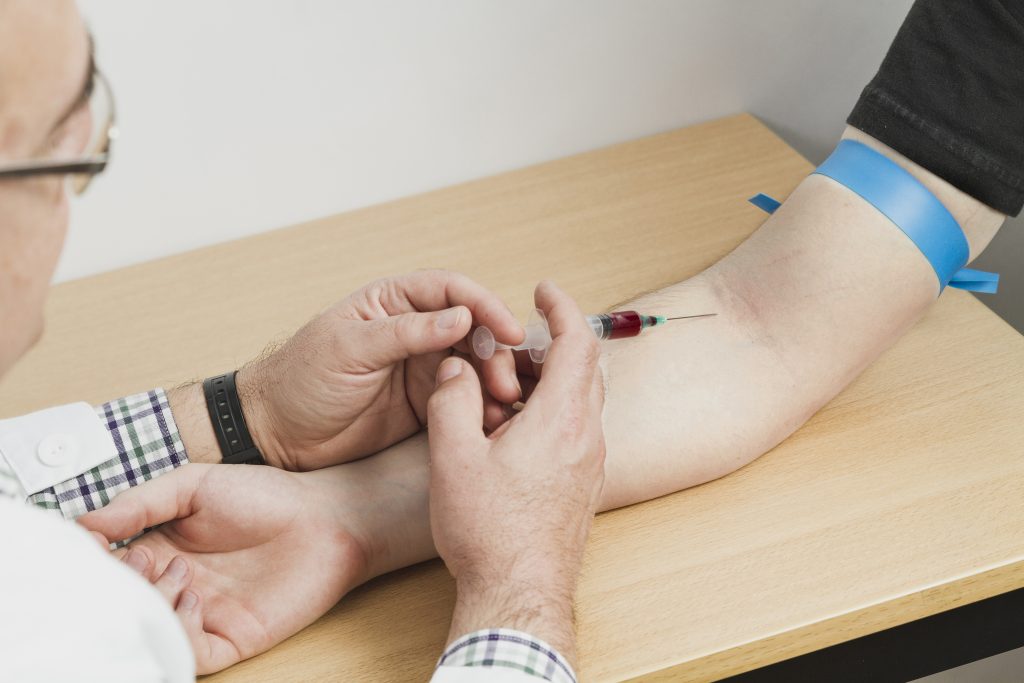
(47, 89)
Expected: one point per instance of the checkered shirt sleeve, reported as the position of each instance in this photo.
(509, 648)
(147, 443)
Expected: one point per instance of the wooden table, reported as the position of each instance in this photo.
(902, 498)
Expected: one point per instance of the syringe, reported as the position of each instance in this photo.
(614, 325)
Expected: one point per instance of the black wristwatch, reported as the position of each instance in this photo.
(236, 444)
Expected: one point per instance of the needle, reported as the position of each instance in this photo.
(683, 317)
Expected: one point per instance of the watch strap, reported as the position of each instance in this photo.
(225, 408)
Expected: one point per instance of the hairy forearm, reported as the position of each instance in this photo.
(544, 610)
(188, 405)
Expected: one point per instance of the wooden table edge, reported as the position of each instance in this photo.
(840, 628)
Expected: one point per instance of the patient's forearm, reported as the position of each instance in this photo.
(804, 305)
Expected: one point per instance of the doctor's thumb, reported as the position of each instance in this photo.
(398, 337)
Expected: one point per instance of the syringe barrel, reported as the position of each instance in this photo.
(616, 325)
(625, 324)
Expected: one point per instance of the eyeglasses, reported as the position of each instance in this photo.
(79, 147)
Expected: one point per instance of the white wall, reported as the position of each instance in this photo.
(240, 116)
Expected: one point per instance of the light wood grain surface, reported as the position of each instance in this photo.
(901, 498)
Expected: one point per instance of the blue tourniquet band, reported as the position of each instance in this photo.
(764, 202)
(909, 205)
(904, 200)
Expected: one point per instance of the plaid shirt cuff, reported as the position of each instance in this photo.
(147, 443)
(509, 648)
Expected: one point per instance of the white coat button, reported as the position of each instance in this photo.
(57, 450)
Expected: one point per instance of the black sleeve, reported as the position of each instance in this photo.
(950, 96)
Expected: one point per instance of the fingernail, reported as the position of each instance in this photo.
(450, 318)
(188, 601)
(449, 368)
(136, 559)
(177, 569)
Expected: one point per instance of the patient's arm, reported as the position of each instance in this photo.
(804, 305)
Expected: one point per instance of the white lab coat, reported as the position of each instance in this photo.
(69, 611)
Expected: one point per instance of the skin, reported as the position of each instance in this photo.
(44, 65)
(804, 305)
(510, 512)
(247, 593)
(354, 380)
(539, 473)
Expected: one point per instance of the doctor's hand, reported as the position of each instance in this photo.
(356, 379)
(246, 555)
(510, 512)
